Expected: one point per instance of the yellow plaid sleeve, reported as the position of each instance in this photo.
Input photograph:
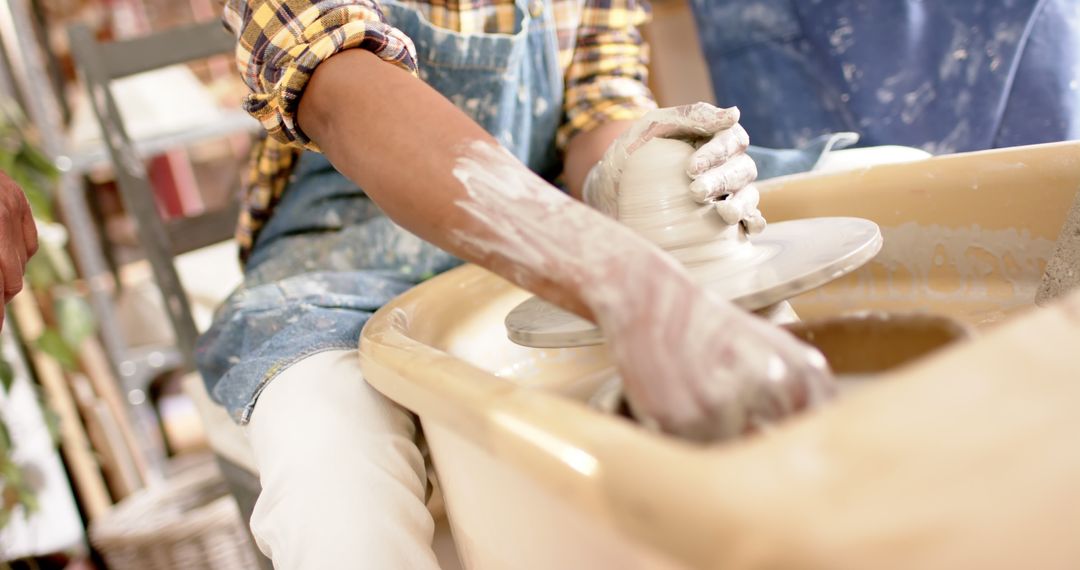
(280, 42)
(607, 75)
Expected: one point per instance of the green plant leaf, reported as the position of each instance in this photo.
(5, 444)
(51, 342)
(7, 159)
(17, 491)
(76, 319)
(40, 273)
(37, 160)
(41, 207)
(13, 474)
(59, 260)
(28, 499)
(52, 422)
(30, 168)
(37, 190)
(23, 178)
(7, 374)
(52, 419)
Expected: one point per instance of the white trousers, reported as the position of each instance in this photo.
(343, 481)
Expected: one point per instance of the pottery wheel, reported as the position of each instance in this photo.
(786, 259)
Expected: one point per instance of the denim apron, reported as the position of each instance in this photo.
(329, 258)
(945, 76)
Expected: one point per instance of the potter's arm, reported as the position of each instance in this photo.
(422, 138)
(697, 365)
(440, 175)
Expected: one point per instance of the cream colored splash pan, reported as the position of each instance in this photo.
(965, 235)
(967, 459)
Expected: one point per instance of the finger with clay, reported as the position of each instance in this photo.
(742, 207)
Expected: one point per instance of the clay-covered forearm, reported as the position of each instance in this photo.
(440, 175)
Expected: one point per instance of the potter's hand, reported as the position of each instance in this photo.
(721, 170)
(704, 370)
(18, 237)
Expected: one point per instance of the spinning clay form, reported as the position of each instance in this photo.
(754, 272)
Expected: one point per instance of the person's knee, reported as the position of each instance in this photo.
(336, 458)
(326, 392)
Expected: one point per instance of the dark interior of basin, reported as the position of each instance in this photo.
(871, 343)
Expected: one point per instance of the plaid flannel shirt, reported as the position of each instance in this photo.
(280, 42)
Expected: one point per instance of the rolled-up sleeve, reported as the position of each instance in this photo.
(281, 42)
(607, 77)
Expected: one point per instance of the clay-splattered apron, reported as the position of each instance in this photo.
(328, 257)
(945, 76)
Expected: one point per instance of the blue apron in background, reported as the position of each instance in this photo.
(945, 75)
(328, 258)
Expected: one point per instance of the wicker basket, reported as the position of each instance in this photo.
(188, 521)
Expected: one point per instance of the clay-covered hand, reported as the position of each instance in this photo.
(721, 171)
(704, 370)
(18, 237)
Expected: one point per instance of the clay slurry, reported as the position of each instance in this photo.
(1063, 270)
